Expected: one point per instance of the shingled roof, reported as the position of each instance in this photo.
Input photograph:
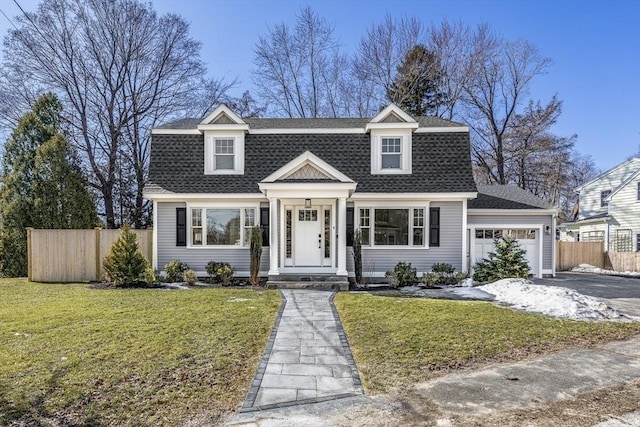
(506, 197)
(441, 162)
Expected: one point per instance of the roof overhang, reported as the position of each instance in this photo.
(415, 196)
(181, 197)
(308, 158)
(512, 211)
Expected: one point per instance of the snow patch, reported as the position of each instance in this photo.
(550, 300)
(588, 268)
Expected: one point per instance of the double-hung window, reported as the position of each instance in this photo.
(222, 226)
(392, 226)
(391, 153)
(224, 156)
(638, 195)
(603, 198)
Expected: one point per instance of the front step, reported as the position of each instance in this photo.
(322, 286)
(306, 281)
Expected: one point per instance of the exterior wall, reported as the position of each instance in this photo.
(197, 258)
(548, 240)
(590, 193)
(378, 261)
(625, 210)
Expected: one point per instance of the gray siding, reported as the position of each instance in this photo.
(548, 240)
(449, 251)
(197, 258)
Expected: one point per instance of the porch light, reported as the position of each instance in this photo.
(307, 203)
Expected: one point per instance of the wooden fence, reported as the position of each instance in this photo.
(75, 255)
(624, 261)
(571, 254)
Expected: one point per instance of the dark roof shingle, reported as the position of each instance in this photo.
(506, 197)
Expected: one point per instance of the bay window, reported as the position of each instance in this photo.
(222, 226)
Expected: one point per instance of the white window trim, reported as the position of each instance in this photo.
(238, 153)
(405, 151)
(204, 207)
(410, 245)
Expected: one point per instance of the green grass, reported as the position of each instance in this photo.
(397, 341)
(86, 356)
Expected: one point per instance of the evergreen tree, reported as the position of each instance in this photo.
(40, 187)
(508, 261)
(417, 86)
(125, 265)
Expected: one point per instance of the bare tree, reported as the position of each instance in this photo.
(119, 69)
(296, 69)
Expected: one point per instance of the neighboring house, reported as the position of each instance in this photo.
(406, 183)
(609, 209)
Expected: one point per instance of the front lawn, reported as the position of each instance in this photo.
(127, 357)
(397, 341)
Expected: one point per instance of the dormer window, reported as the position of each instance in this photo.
(223, 154)
(391, 153)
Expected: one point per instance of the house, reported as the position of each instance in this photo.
(405, 183)
(609, 209)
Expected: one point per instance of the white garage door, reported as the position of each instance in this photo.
(528, 239)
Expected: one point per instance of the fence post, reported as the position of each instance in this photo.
(98, 231)
(29, 256)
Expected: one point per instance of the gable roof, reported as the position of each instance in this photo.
(623, 164)
(506, 197)
(624, 184)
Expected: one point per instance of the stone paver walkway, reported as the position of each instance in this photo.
(307, 359)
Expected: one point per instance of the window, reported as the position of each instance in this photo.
(603, 195)
(638, 242)
(391, 153)
(223, 154)
(365, 227)
(638, 195)
(221, 227)
(392, 227)
(593, 236)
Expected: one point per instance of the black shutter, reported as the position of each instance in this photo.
(349, 226)
(264, 224)
(434, 226)
(181, 226)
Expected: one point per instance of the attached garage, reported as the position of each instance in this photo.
(509, 210)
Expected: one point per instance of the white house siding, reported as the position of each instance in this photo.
(625, 210)
(197, 258)
(590, 193)
(548, 240)
(378, 261)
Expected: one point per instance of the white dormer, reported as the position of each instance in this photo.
(224, 134)
(391, 140)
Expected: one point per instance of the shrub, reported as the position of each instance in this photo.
(430, 279)
(443, 268)
(508, 261)
(175, 270)
(219, 272)
(357, 255)
(255, 252)
(125, 265)
(402, 275)
(190, 277)
(442, 274)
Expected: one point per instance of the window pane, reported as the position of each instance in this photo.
(224, 161)
(390, 145)
(364, 217)
(196, 217)
(366, 241)
(224, 146)
(391, 227)
(479, 234)
(288, 233)
(418, 217)
(391, 161)
(418, 236)
(223, 226)
(327, 234)
(196, 237)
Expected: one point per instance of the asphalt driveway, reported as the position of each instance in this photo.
(596, 285)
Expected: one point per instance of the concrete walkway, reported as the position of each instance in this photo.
(307, 359)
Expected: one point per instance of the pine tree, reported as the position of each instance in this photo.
(508, 261)
(125, 265)
(40, 187)
(417, 86)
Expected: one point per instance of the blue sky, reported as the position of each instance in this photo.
(594, 45)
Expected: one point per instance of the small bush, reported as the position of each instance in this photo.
(443, 267)
(508, 261)
(190, 277)
(125, 265)
(175, 271)
(430, 279)
(219, 272)
(402, 275)
(442, 274)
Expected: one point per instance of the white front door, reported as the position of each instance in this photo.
(307, 231)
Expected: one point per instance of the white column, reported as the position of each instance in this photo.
(273, 237)
(342, 237)
(154, 256)
(465, 235)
